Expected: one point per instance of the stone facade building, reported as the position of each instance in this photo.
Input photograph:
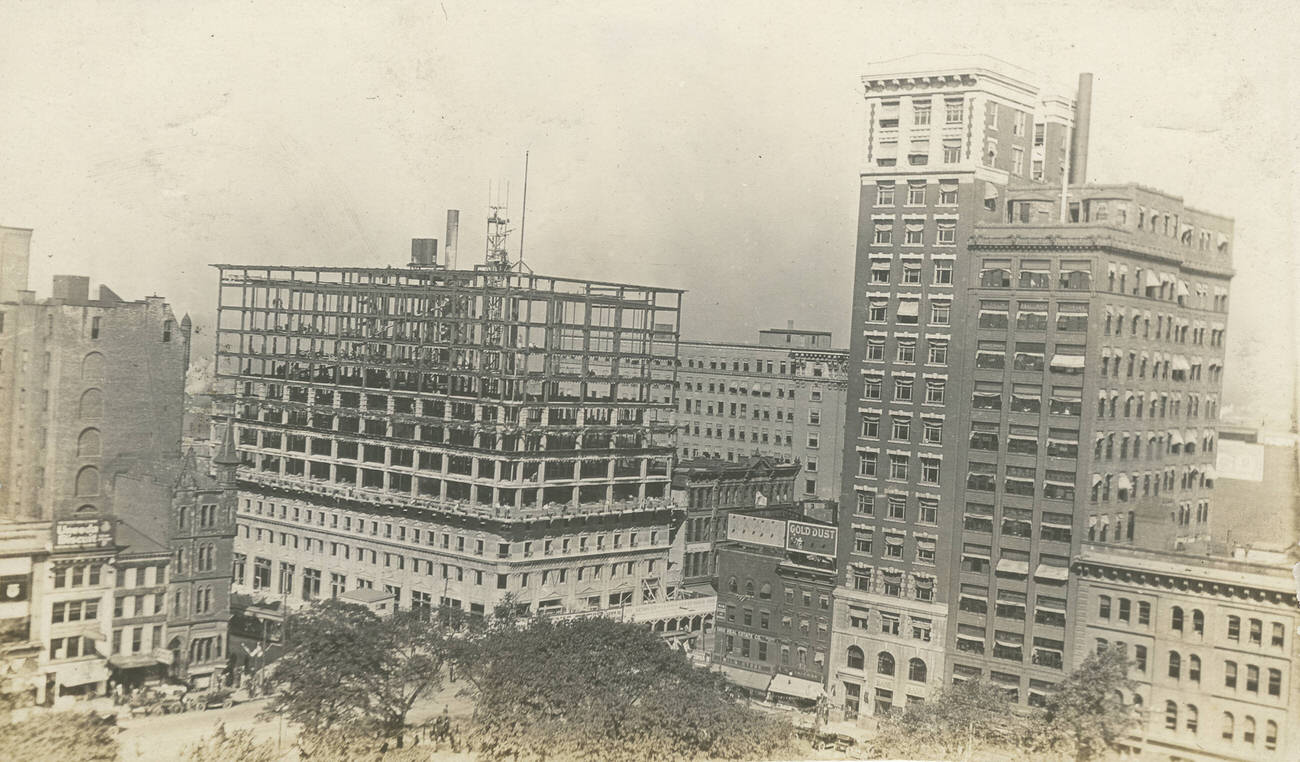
(451, 436)
(780, 399)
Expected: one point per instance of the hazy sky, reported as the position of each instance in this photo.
(706, 146)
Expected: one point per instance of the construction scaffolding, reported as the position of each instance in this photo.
(488, 392)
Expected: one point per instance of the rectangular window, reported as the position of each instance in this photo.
(885, 193)
(916, 192)
(953, 110)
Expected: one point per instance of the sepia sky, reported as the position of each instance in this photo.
(712, 147)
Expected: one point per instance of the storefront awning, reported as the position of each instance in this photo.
(795, 686)
(81, 672)
(757, 681)
(132, 661)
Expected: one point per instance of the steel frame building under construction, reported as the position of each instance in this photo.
(458, 434)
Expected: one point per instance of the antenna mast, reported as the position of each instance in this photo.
(523, 214)
(498, 232)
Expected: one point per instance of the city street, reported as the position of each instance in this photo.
(164, 737)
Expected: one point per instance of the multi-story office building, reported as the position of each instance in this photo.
(1213, 644)
(24, 558)
(1257, 490)
(91, 406)
(83, 382)
(710, 489)
(776, 572)
(452, 436)
(782, 398)
(1028, 368)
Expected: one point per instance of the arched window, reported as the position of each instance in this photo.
(1229, 727)
(88, 482)
(916, 671)
(765, 592)
(1194, 668)
(731, 585)
(88, 444)
(1192, 717)
(1176, 618)
(92, 368)
(749, 588)
(856, 659)
(1248, 730)
(1270, 735)
(1171, 715)
(1175, 665)
(885, 663)
(92, 405)
(86, 509)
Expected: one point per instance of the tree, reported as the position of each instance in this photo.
(600, 689)
(1087, 716)
(347, 668)
(66, 736)
(960, 720)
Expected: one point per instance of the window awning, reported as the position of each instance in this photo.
(1222, 240)
(909, 308)
(1210, 473)
(880, 265)
(1182, 288)
(990, 191)
(1056, 525)
(1068, 361)
(1153, 281)
(1124, 482)
(915, 227)
(884, 226)
(1180, 363)
(1110, 268)
(1007, 566)
(1058, 608)
(1175, 437)
(948, 185)
(794, 686)
(1052, 572)
(1008, 640)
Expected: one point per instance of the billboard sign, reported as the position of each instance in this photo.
(813, 539)
(15, 588)
(83, 533)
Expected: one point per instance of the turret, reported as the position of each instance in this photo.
(226, 459)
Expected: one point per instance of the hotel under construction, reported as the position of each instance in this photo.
(451, 436)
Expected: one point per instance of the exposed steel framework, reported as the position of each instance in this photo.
(498, 394)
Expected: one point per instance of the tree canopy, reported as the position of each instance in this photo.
(1085, 717)
(346, 668)
(66, 736)
(600, 689)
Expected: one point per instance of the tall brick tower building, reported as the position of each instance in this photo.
(1034, 362)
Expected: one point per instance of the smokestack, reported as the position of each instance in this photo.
(424, 252)
(1079, 140)
(453, 236)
